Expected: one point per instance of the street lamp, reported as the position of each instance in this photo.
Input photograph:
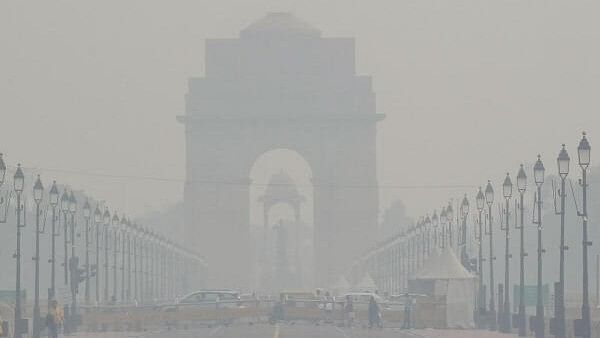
(450, 216)
(115, 228)
(538, 175)
(87, 214)
(106, 219)
(443, 222)
(507, 188)
(73, 263)
(489, 199)
(2, 170)
(464, 212)
(480, 202)
(435, 221)
(64, 207)
(123, 261)
(563, 161)
(38, 194)
(522, 186)
(583, 153)
(97, 222)
(19, 184)
(53, 199)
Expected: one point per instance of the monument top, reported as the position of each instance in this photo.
(279, 23)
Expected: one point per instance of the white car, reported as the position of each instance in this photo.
(216, 298)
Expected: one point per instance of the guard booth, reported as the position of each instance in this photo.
(451, 291)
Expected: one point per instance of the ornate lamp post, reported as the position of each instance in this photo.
(563, 161)
(106, 219)
(522, 186)
(123, 260)
(435, 221)
(97, 222)
(19, 184)
(87, 214)
(115, 228)
(480, 201)
(74, 262)
(489, 199)
(583, 152)
(64, 208)
(507, 192)
(53, 197)
(443, 222)
(464, 212)
(449, 217)
(538, 175)
(2, 170)
(38, 194)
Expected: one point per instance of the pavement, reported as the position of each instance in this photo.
(296, 331)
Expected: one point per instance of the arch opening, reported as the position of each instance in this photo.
(281, 220)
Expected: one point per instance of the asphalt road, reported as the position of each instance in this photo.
(297, 331)
(263, 331)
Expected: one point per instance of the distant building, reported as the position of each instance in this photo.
(280, 85)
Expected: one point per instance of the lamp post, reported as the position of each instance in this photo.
(97, 222)
(106, 219)
(538, 175)
(522, 186)
(480, 201)
(464, 212)
(443, 222)
(583, 152)
(2, 170)
(489, 199)
(141, 270)
(563, 161)
(19, 184)
(53, 197)
(74, 263)
(449, 217)
(123, 260)
(38, 193)
(115, 227)
(507, 192)
(64, 208)
(87, 213)
(135, 241)
(129, 254)
(435, 221)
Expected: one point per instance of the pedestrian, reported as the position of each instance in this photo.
(349, 311)
(374, 313)
(408, 303)
(53, 319)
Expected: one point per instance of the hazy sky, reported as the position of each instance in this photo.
(470, 88)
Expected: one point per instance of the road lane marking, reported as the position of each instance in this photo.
(342, 332)
(276, 334)
(215, 330)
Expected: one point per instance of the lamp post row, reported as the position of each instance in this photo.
(401, 253)
(160, 279)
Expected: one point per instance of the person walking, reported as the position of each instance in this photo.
(407, 312)
(53, 319)
(374, 313)
(349, 311)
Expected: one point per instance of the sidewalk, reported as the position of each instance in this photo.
(462, 334)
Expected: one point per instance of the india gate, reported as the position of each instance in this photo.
(281, 84)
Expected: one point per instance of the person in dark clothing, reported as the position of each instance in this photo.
(374, 313)
(407, 312)
(349, 311)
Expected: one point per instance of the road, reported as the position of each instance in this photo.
(299, 331)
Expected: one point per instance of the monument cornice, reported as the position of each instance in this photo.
(264, 118)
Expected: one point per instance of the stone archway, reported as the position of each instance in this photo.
(280, 85)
